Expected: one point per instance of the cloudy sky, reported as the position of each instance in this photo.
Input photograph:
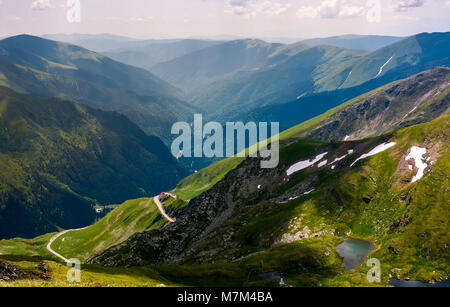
(245, 18)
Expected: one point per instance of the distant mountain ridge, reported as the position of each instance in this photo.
(271, 74)
(238, 74)
(151, 54)
(361, 42)
(309, 106)
(51, 69)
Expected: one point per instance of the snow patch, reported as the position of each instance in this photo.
(375, 151)
(304, 164)
(417, 154)
(384, 65)
(351, 151)
(306, 193)
(322, 164)
(346, 137)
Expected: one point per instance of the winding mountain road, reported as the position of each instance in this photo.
(162, 210)
(49, 245)
(155, 199)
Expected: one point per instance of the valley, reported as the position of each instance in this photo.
(363, 172)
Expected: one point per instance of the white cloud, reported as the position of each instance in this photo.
(14, 17)
(142, 19)
(333, 9)
(40, 5)
(404, 5)
(251, 8)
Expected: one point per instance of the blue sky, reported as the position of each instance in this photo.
(245, 18)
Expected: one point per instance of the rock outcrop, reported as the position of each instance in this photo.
(9, 272)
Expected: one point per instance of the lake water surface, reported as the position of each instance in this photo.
(354, 252)
(418, 284)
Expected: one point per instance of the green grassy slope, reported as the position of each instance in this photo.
(203, 180)
(131, 217)
(417, 99)
(27, 247)
(374, 200)
(55, 275)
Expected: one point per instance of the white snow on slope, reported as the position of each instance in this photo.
(384, 65)
(304, 164)
(346, 137)
(375, 151)
(306, 193)
(322, 164)
(417, 154)
(348, 76)
(351, 151)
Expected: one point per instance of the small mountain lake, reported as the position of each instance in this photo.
(354, 252)
(418, 284)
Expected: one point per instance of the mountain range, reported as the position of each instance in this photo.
(291, 217)
(357, 42)
(363, 160)
(269, 74)
(47, 68)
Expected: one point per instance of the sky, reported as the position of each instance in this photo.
(209, 18)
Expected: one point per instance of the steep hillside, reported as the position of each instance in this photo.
(409, 56)
(50, 69)
(415, 100)
(131, 217)
(59, 158)
(290, 219)
(404, 103)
